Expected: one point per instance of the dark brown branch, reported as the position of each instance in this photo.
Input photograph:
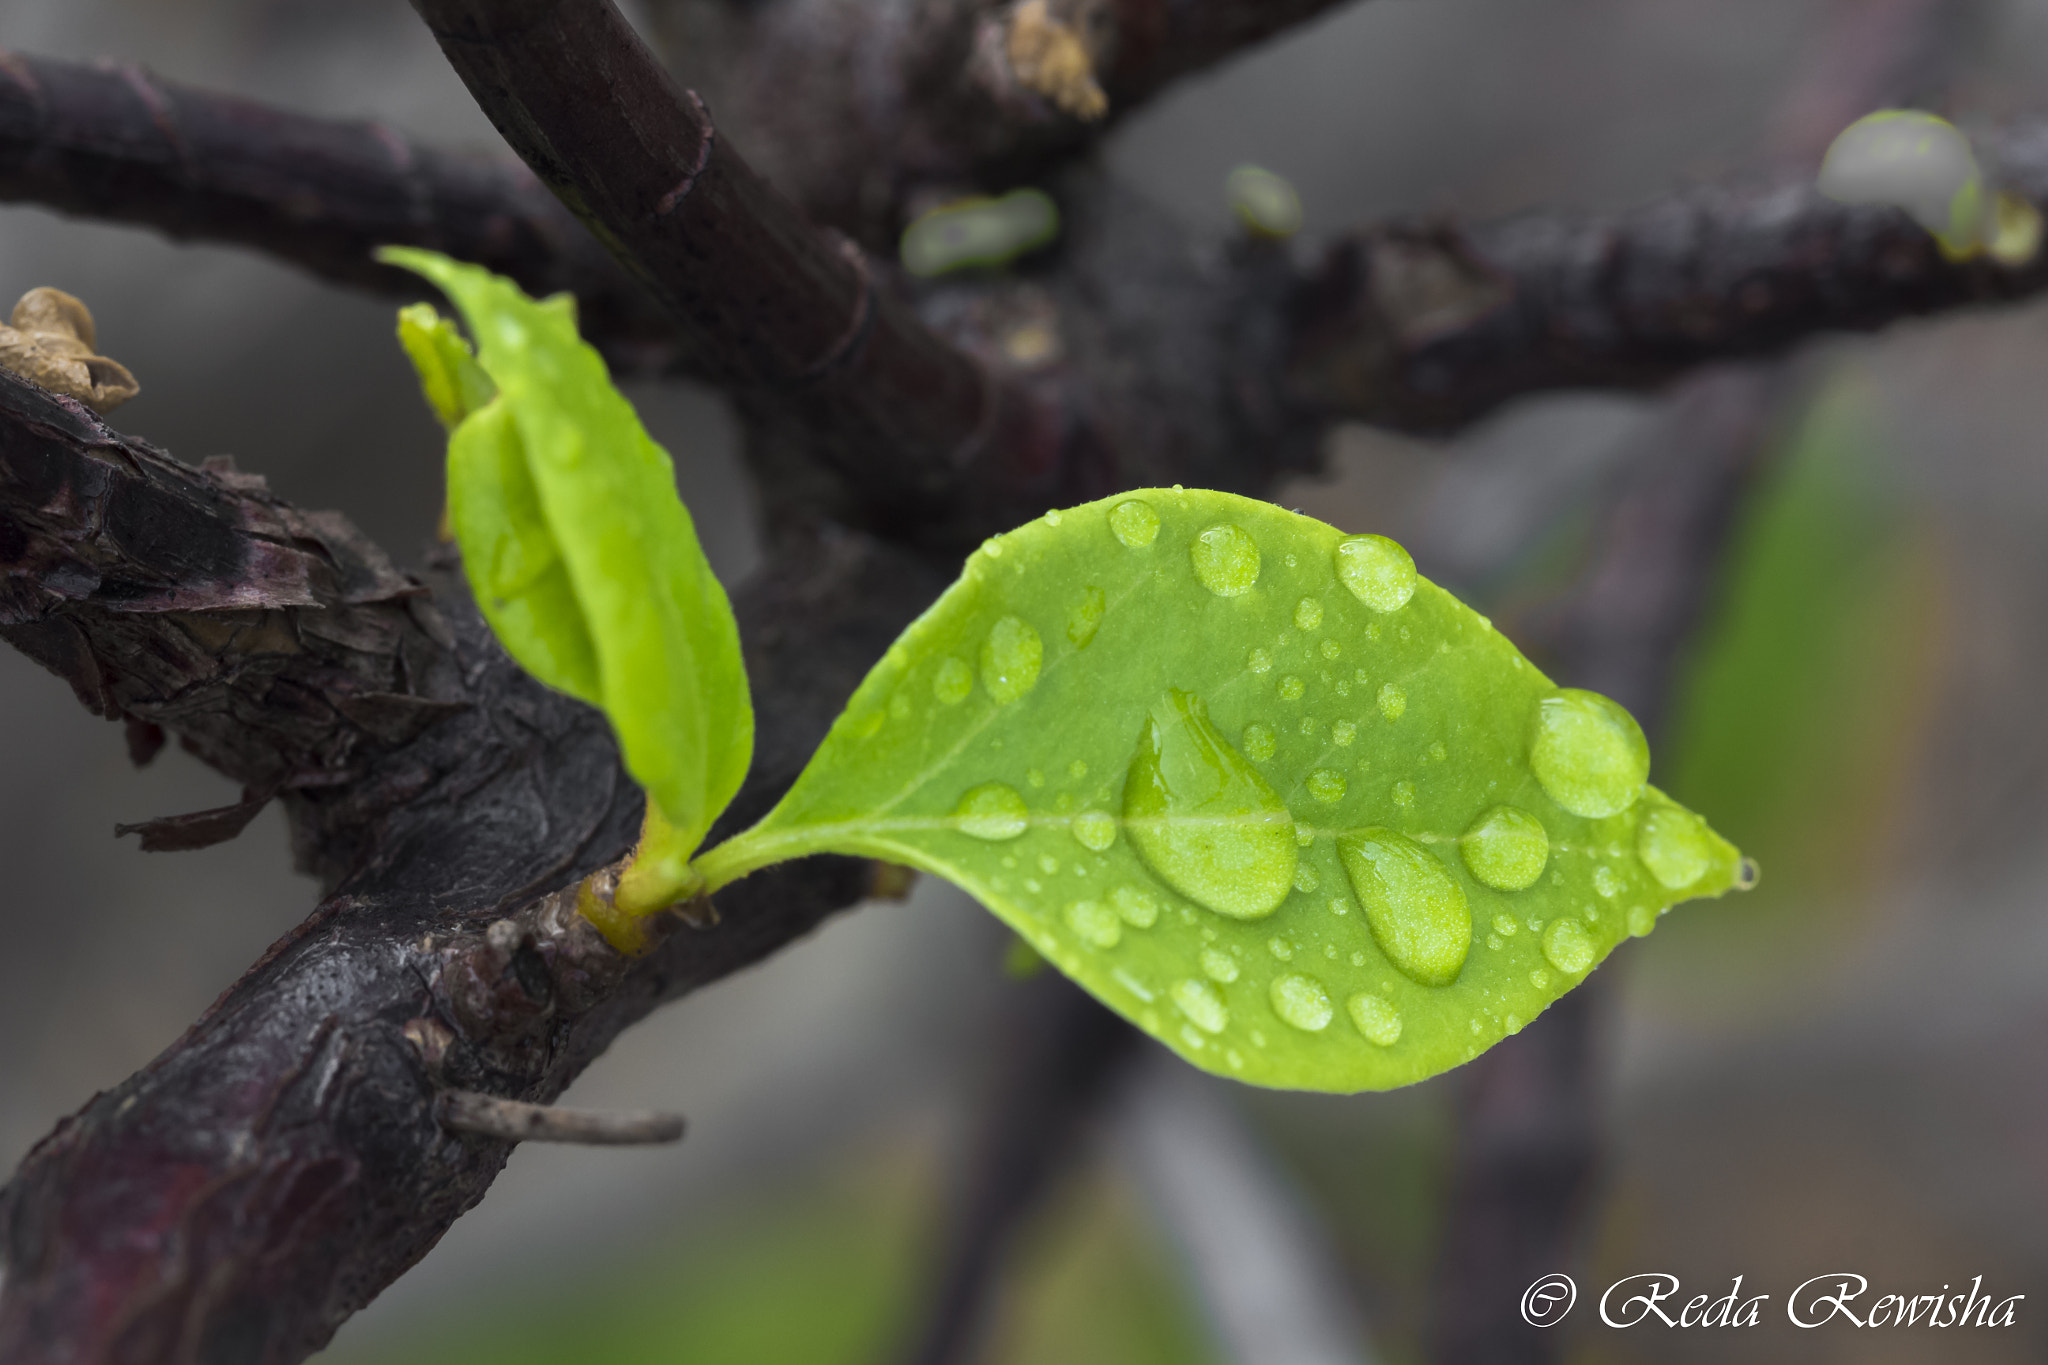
(951, 112)
(1056, 1057)
(785, 314)
(121, 144)
(465, 1111)
(1428, 326)
(278, 1165)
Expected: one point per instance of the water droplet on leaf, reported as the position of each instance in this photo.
(952, 682)
(1416, 910)
(992, 811)
(1606, 881)
(1379, 573)
(1139, 907)
(1218, 965)
(1010, 657)
(1674, 845)
(1505, 849)
(1095, 829)
(1568, 946)
(1291, 688)
(1259, 741)
(1308, 614)
(1377, 1020)
(1134, 523)
(1095, 924)
(1203, 1004)
(1305, 878)
(1393, 701)
(1343, 732)
(1258, 660)
(1201, 816)
(1302, 1002)
(1326, 786)
(1588, 753)
(1226, 560)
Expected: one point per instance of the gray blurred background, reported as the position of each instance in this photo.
(1844, 1071)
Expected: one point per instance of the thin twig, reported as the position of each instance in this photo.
(466, 1111)
(122, 144)
(767, 303)
(1054, 1061)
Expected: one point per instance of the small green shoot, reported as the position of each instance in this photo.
(583, 559)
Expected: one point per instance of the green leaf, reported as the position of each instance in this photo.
(1297, 813)
(455, 385)
(582, 557)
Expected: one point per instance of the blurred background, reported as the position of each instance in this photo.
(1846, 1070)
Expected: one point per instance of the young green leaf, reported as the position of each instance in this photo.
(582, 557)
(1293, 810)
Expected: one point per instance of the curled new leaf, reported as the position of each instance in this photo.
(581, 556)
(1293, 810)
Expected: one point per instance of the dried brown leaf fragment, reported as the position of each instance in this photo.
(1054, 53)
(50, 342)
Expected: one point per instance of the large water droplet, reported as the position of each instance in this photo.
(1673, 844)
(1375, 1018)
(1379, 573)
(952, 682)
(1302, 1002)
(1568, 946)
(1095, 829)
(1139, 907)
(1084, 618)
(1095, 924)
(1589, 754)
(1226, 560)
(1415, 908)
(1505, 849)
(1201, 816)
(992, 811)
(1134, 523)
(1010, 657)
(1202, 1003)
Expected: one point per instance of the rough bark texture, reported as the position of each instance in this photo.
(279, 1164)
